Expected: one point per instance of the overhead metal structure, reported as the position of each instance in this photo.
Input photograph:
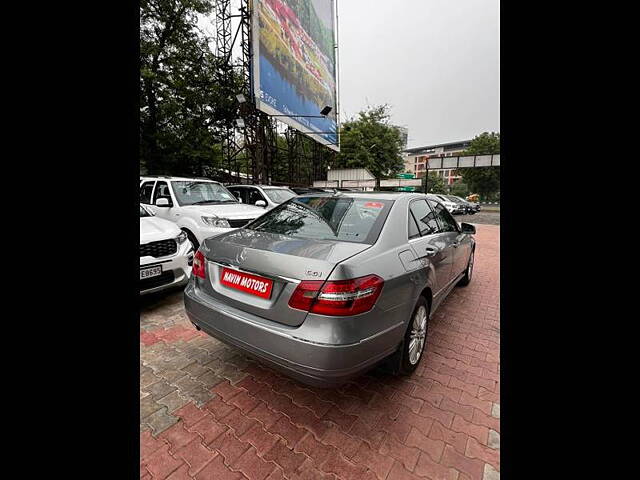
(263, 150)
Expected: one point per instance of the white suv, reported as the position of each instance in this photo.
(200, 207)
(266, 196)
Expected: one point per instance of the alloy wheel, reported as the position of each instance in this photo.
(418, 334)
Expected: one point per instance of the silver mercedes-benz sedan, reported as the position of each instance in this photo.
(326, 286)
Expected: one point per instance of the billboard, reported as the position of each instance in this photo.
(294, 64)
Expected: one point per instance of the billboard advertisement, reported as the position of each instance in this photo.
(294, 64)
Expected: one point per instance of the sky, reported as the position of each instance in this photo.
(435, 62)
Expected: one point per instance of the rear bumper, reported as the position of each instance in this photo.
(316, 364)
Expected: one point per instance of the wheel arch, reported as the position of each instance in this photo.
(428, 295)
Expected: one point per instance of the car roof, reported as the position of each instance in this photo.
(265, 187)
(180, 179)
(374, 195)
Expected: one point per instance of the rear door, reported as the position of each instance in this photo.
(431, 246)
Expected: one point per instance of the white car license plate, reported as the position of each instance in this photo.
(150, 272)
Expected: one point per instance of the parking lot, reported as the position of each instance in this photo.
(482, 217)
(208, 412)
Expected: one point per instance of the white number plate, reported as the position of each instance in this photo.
(150, 272)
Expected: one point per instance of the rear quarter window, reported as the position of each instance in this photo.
(358, 220)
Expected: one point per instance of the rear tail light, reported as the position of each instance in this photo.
(198, 268)
(337, 298)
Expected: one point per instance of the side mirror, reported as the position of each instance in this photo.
(163, 202)
(261, 203)
(468, 228)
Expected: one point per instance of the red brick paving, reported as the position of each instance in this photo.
(261, 425)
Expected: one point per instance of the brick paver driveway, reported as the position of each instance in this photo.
(208, 412)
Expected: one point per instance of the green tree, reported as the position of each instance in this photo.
(370, 141)
(483, 180)
(435, 183)
(183, 105)
(460, 189)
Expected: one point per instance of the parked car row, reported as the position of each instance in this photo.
(328, 285)
(457, 205)
(322, 286)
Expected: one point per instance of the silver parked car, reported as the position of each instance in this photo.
(326, 286)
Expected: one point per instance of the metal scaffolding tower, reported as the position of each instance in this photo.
(262, 144)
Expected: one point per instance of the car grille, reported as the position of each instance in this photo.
(162, 248)
(165, 279)
(239, 223)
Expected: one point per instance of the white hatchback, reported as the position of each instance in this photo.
(166, 255)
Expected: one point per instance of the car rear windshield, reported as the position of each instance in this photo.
(345, 219)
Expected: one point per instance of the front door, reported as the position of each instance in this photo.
(431, 246)
(253, 195)
(162, 191)
(146, 191)
(450, 228)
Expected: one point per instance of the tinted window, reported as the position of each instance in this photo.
(253, 195)
(145, 192)
(193, 192)
(161, 191)
(425, 218)
(413, 227)
(237, 192)
(327, 218)
(447, 222)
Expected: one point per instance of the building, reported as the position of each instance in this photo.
(416, 159)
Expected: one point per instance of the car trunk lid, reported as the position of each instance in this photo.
(280, 258)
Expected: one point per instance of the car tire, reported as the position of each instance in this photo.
(194, 241)
(468, 273)
(411, 353)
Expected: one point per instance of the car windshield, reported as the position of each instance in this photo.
(200, 193)
(326, 218)
(143, 212)
(454, 199)
(279, 195)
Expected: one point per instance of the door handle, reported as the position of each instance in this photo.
(431, 251)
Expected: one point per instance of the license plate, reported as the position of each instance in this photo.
(150, 272)
(252, 284)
